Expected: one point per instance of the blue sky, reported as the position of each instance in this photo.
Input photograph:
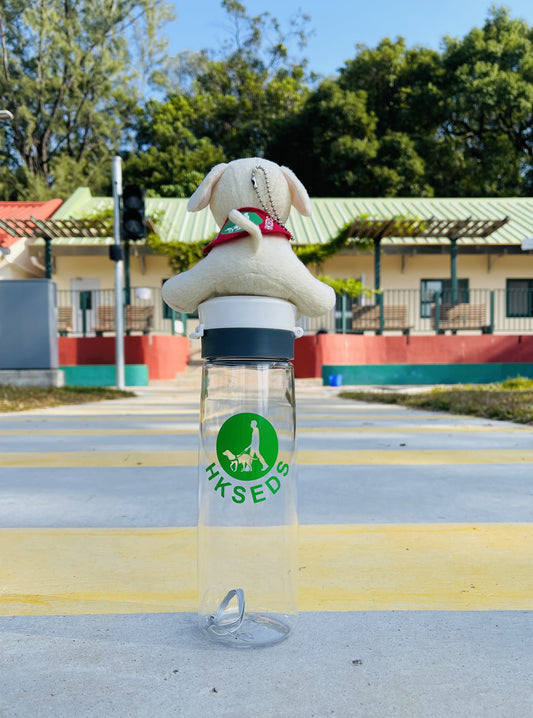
(339, 24)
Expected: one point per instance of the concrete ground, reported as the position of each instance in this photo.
(416, 575)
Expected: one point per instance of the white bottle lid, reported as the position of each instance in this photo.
(249, 312)
(247, 327)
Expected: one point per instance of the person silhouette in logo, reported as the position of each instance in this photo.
(253, 449)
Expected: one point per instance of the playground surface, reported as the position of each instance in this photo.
(415, 566)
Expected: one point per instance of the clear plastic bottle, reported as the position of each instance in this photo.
(247, 524)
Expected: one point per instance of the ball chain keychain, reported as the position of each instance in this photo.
(272, 211)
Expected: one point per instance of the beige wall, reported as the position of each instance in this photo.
(395, 274)
(149, 274)
(476, 268)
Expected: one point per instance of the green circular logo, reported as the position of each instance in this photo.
(247, 446)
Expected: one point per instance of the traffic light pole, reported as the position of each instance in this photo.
(127, 284)
(119, 274)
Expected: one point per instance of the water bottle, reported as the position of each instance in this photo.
(247, 520)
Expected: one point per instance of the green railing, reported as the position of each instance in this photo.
(89, 312)
(501, 311)
(408, 311)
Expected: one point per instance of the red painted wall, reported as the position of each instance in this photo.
(313, 351)
(168, 355)
(165, 355)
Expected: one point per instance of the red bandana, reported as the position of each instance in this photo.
(231, 231)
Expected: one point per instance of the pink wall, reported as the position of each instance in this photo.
(312, 352)
(165, 355)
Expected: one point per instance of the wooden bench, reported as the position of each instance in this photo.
(105, 319)
(137, 319)
(64, 320)
(367, 318)
(454, 317)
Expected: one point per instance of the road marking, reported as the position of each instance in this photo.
(174, 428)
(123, 415)
(345, 457)
(452, 567)
(425, 457)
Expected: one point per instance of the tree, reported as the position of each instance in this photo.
(485, 146)
(330, 142)
(168, 158)
(225, 106)
(71, 76)
(404, 93)
(402, 85)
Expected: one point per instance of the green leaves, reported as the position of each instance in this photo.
(181, 255)
(397, 121)
(489, 106)
(70, 75)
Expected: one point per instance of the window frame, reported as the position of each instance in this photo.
(463, 291)
(528, 297)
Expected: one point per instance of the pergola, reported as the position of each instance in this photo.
(452, 229)
(374, 229)
(50, 229)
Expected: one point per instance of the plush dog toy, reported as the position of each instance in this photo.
(250, 200)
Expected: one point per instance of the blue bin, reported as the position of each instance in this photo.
(335, 379)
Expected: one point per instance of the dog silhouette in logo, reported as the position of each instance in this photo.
(243, 460)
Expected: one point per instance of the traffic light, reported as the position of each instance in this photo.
(133, 221)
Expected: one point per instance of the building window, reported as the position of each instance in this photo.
(519, 298)
(429, 288)
(344, 312)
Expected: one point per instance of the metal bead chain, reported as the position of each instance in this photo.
(272, 210)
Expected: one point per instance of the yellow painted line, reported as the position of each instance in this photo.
(345, 457)
(177, 429)
(432, 457)
(453, 567)
(333, 416)
(100, 416)
(425, 429)
(193, 428)
(98, 458)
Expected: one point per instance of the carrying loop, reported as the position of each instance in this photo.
(272, 209)
(198, 332)
(215, 624)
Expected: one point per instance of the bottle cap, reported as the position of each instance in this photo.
(247, 327)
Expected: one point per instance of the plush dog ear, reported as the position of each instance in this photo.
(299, 196)
(202, 195)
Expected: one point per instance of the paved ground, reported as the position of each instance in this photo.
(415, 550)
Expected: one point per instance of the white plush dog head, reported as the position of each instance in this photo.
(251, 264)
(230, 186)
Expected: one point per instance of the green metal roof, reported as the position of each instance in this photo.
(329, 215)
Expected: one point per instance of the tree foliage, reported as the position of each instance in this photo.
(71, 76)
(486, 142)
(223, 108)
(396, 120)
(414, 122)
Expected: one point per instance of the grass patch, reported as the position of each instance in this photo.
(511, 400)
(22, 398)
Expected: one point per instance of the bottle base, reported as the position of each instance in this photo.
(255, 631)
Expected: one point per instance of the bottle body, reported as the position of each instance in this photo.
(247, 523)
